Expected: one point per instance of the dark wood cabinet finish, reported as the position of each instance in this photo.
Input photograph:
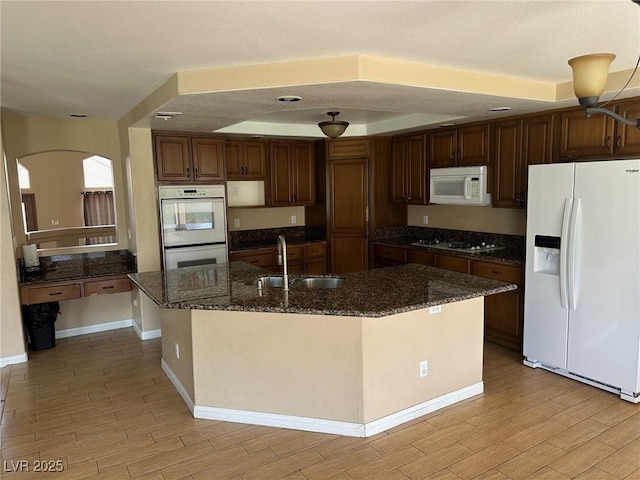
(208, 159)
(504, 312)
(259, 257)
(246, 159)
(462, 146)
(185, 159)
(409, 170)
(388, 255)
(423, 258)
(451, 262)
(628, 136)
(173, 162)
(518, 143)
(583, 137)
(292, 173)
(307, 258)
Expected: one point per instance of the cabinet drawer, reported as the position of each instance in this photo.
(113, 285)
(496, 271)
(264, 259)
(295, 253)
(423, 258)
(315, 250)
(52, 294)
(457, 264)
(388, 251)
(349, 148)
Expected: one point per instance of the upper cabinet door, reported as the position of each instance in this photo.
(628, 136)
(208, 159)
(473, 145)
(417, 185)
(281, 183)
(172, 158)
(399, 168)
(584, 137)
(443, 147)
(234, 158)
(537, 146)
(507, 163)
(304, 174)
(255, 160)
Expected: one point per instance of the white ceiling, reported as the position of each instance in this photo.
(104, 58)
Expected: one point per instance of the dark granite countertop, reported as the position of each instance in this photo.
(372, 293)
(509, 256)
(61, 268)
(259, 245)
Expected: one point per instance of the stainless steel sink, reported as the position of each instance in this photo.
(321, 282)
(272, 281)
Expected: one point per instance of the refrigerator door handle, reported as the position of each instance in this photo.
(564, 246)
(574, 254)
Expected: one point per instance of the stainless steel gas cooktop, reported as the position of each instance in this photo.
(467, 247)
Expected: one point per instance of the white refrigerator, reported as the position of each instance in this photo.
(582, 285)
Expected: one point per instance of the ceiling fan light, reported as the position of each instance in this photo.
(333, 128)
(590, 76)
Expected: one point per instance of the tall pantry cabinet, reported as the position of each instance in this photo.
(353, 198)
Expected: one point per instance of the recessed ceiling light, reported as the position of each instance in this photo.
(447, 125)
(167, 115)
(499, 109)
(289, 98)
(78, 115)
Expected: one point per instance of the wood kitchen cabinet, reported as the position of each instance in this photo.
(306, 258)
(503, 312)
(353, 199)
(292, 173)
(462, 146)
(260, 257)
(599, 137)
(409, 170)
(453, 262)
(423, 258)
(185, 159)
(246, 159)
(388, 255)
(518, 143)
(73, 289)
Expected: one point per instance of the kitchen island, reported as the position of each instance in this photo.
(386, 346)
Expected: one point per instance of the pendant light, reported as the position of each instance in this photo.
(333, 128)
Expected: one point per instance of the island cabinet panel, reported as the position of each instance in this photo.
(423, 258)
(451, 262)
(172, 158)
(504, 312)
(463, 146)
(208, 159)
(409, 170)
(388, 255)
(292, 173)
(246, 159)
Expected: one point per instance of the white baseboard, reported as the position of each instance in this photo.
(4, 361)
(332, 426)
(101, 327)
(147, 334)
(176, 383)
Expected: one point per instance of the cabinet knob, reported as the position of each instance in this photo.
(618, 142)
(196, 172)
(607, 143)
(188, 172)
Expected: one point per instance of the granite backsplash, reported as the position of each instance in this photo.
(267, 237)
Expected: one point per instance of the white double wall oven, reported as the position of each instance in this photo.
(193, 224)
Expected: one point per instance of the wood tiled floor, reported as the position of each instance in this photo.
(102, 406)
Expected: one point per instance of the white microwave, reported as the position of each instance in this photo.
(459, 186)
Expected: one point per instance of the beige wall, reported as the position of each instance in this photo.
(11, 336)
(394, 346)
(510, 221)
(347, 369)
(176, 330)
(57, 181)
(94, 310)
(256, 218)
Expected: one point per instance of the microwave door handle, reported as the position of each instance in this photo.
(467, 181)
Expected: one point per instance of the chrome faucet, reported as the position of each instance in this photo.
(282, 260)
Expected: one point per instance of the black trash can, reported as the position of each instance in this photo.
(39, 321)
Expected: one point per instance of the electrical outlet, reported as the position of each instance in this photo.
(424, 368)
(177, 351)
(425, 219)
(236, 222)
(55, 221)
(293, 219)
(435, 309)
